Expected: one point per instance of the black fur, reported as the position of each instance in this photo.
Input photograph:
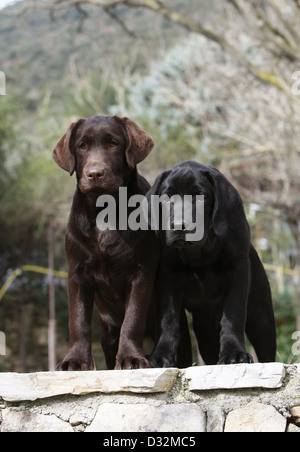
(219, 279)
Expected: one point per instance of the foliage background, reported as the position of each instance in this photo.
(198, 99)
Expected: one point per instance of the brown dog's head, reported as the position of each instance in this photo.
(103, 151)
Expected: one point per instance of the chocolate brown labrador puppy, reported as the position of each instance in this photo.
(113, 268)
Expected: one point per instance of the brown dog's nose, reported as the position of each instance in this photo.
(95, 174)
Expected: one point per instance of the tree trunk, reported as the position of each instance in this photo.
(22, 334)
(295, 227)
(297, 281)
(52, 320)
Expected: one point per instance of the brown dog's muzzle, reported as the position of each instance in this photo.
(99, 177)
(95, 174)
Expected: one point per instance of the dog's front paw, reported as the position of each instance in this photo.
(158, 361)
(235, 357)
(75, 360)
(131, 362)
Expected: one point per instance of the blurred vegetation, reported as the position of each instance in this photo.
(60, 67)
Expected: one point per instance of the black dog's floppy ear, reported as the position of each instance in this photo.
(157, 186)
(153, 215)
(227, 200)
(139, 143)
(62, 153)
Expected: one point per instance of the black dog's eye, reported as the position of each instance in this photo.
(198, 194)
(83, 146)
(196, 191)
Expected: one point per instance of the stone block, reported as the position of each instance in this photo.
(255, 418)
(293, 429)
(114, 418)
(24, 421)
(215, 420)
(295, 413)
(21, 387)
(236, 376)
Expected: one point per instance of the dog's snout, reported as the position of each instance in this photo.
(178, 226)
(95, 174)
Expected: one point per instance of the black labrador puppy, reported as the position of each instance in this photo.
(218, 278)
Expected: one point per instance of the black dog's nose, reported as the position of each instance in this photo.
(95, 174)
(178, 227)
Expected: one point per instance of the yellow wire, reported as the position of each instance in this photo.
(46, 271)
(285, 271)
(9, 282)
(29, 268)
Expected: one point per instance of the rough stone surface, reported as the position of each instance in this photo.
(235, 376)
(20, 387)
(215, 420)
(24, 422)
(295, 413)
(236, 398)
(293, 429)
(255, 418)
(144, 418)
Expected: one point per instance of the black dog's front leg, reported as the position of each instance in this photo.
(170, 302)
(233, 350)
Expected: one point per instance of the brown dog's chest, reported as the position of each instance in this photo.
(113, 265)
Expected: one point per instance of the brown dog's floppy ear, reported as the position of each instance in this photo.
(62, 152)
(139, 143)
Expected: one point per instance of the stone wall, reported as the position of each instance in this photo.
(258, 397)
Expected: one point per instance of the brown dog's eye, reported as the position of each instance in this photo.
(83, 146)
(114, 143)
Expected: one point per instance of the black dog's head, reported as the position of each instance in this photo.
(103, 150)
(193, 180)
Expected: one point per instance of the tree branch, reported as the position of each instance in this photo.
(160, 8)
(297, 3)
(110, 11)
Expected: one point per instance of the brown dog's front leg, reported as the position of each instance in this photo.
(81, 299)
(130, 354)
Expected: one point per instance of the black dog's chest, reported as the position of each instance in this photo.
(205, 286)
(202, 259)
